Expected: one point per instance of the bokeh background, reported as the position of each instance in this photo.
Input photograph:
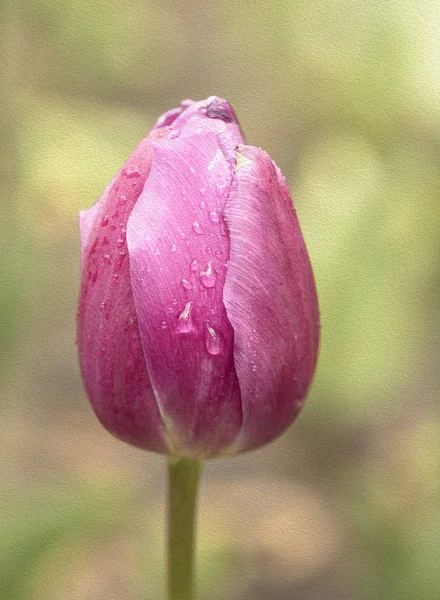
(345, 96)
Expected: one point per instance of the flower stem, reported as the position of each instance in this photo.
(183, 477)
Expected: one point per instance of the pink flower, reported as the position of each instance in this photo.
(198, 323)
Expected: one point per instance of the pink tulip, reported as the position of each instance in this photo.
(198, 323)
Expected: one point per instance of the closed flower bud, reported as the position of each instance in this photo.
(198, 321)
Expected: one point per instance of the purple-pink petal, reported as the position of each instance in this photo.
(270, 299)
(179, 250)
(110, 348)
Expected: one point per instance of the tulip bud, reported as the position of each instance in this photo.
(198, 321)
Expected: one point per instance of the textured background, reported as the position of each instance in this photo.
(345, 97)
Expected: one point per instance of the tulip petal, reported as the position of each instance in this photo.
(270, 299)
(178, 251)
(110, 347)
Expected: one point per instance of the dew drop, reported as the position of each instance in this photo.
(186, 284)
(173, 134)
(194, 265)
(121, 240)
(107, 258)
(212, 341)
(116, 278)
(197, 228)
(192, 169)
(220, 191)
(173, 248)
(202, 191)
(102, 351)
(218, 253)
(157, 252)
(119, 262)
(132, 172)
(103, 305)
(202, 204)
(214, 217)
(184, 320)
(163, 325)
(208, 250)
(182, 234)
(104, 221)
(208, 277)
(122, 200)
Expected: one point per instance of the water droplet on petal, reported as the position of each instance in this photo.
(202, 204)
(103, 305)
(182, 234)
(186, 284)
(174, 133)
(122, 200)
(121, 240)
(208, 277)
(107, 258)
(116, 278)
(184, 320)
(164, 325)
(218, 253)
(197, 228)
(131, 172)
(173, 247)
(220, 191)
(212, 341)
(194, 265)
(157, 252)
(208, 250)
(202, 191)
(214, 216)
(104, 221)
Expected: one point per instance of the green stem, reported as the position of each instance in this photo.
(183, 477)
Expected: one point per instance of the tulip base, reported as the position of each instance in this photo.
(183, 478)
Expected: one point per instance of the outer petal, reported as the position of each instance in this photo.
(178, 251)
(270, 299)
(110, 348)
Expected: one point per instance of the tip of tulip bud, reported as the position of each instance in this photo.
(219, 108)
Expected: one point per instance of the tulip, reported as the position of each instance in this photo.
(198, 321)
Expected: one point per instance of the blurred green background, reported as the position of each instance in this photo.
(345, 96)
